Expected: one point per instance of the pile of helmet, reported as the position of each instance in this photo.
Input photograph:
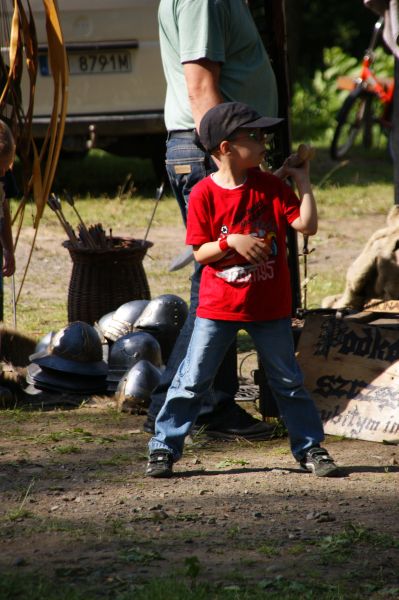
(163, 317)
(70, 361)
(122, 354)
(138, 339)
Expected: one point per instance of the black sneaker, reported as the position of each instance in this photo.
(231, 421)
(318, 461)
(159, 464)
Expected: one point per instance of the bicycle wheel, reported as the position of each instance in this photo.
(355, 114)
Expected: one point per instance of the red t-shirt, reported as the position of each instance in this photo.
(231, 288)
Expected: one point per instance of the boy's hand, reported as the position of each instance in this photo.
(297, 165)
(255, 250)
(8, 263)
(300, 174)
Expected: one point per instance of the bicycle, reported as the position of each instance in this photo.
(369, 103)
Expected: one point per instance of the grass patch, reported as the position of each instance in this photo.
(347, 190)
(231, 462)
(277, 588)
(321, 285)
(116, 460)
(71, 434)
(14, 586)
(339, 546)
(31, 587)
(269, 550)
(18, 514)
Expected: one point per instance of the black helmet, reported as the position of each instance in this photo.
(136, 386)
(74, 349)
(127, 351)
(164, 317)
(123, 319)
(50, 380)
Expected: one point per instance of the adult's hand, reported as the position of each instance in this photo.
(8, 263)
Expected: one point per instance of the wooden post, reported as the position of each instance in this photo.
(269, 16)
(1, 287)
(395, 133)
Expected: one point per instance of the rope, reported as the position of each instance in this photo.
(39, 169)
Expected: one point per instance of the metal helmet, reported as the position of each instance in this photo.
(102, 324)
(74, 349)
(101, 327)
(50, 380)
(164, 317)
(136, 386)
(129, 350)
(44, 342)
(123, 319)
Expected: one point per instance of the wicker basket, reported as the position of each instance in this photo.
(103, 279)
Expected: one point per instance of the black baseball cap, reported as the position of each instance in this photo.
(221, 121)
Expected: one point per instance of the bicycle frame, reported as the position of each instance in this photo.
(368, 103)
(382, 88)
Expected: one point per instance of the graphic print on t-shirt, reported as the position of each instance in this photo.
(233, 267)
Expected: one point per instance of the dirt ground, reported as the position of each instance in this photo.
(77, 510)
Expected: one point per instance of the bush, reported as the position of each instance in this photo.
(315, 103)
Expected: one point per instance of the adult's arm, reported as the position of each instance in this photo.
(202, 79)
(6, 242)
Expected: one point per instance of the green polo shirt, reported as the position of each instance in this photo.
(222, 31)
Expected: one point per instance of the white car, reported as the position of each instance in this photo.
(117, 85)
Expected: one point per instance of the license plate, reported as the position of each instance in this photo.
(92, 63)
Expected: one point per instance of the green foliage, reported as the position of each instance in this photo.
(269, 550)
(343, 542)
(315, 103)
(13, 586)
(314, 25)
(192, 567)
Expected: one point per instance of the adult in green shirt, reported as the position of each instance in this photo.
(211, 53)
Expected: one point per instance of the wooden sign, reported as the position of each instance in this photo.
(352, 371)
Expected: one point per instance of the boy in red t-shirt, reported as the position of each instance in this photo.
(237, 221)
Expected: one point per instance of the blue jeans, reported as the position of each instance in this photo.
(184, 152)
(274, 343)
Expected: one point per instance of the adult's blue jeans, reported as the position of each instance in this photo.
(186, 164)
(274, 343)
